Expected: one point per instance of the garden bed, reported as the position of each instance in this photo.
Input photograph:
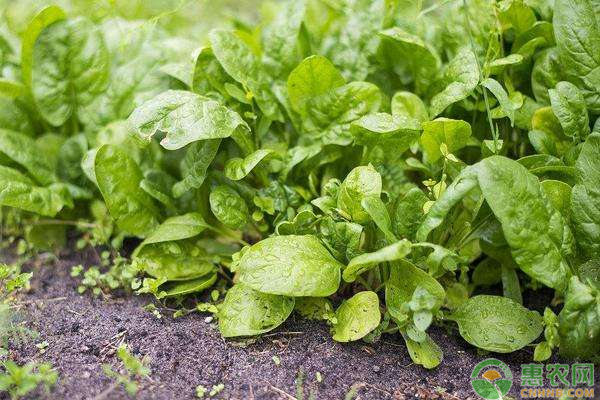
(84, 331)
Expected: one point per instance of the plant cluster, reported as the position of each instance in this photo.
(383, 165)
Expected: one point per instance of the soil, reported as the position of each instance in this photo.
(83, 332)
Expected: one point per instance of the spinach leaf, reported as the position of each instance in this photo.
(228, 207)
(356, 317)
(577, 31)
(119, 178)
(247, 312)
(69, 69)
(291, 266)
(497, 323)
(184, 117)
(360, 183)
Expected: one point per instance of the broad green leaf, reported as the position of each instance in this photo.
(460, 78)
(559, 195)
(239, 168)
(585, 197)
(280, 39)
(184, 117)
(241, 64)
(404, 279)
(119, 178)
(45, 17)
(361, 182)
(342, 238)
(24, 151)
(68, 166)
(408, 104)
(407, 53)
(569, 107)
(539, 238)
(510, 284)
(17, 190)
(182, 288)
(356, 317)
(360, 264)
(290, 266)
(546, 73)
(313, 77)
(246, 312)
(174, 261)
(577, 31)
(158, 184)
(409, 214)
(229, 207)
(579, 321)
(177, 228)
(194, 165)
(497, 324)
(69, 69)
(426, 353)
(453, 133)
(386, 130)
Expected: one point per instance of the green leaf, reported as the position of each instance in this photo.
(182, 288)
(238, 168)
(177, 228)
(17, 190)
(409, 214)
(360, 183)
(290, 266)
(579, 321)
(410, 105)
(409, 54)
(539, 238)
(246, 312)
(25, 151)
(426, 353)
(184, 117)
(577, 31)
(497, 324)
(362, 263)
(547, 72)
(538, 235)
(173, 261)
(241, 64)
(70, 68)
(498, 91)
(404, 279)
(356, 317)
(386, 130)
(313, 77)
(229, 207)
(119, 178)
(280, 39)
(41, 20)
(569, 107)
(585, 197)
(194, 165)
(460, 78)
(453, 133)
(378, 212)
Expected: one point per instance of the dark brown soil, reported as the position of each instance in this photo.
(83, 331)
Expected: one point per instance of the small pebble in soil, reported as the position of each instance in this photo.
(376, 368)
(208, 320)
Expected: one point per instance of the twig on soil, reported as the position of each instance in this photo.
(281, 392)
(39, 301)
(283, 333)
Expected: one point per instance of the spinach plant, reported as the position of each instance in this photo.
(379, 165)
